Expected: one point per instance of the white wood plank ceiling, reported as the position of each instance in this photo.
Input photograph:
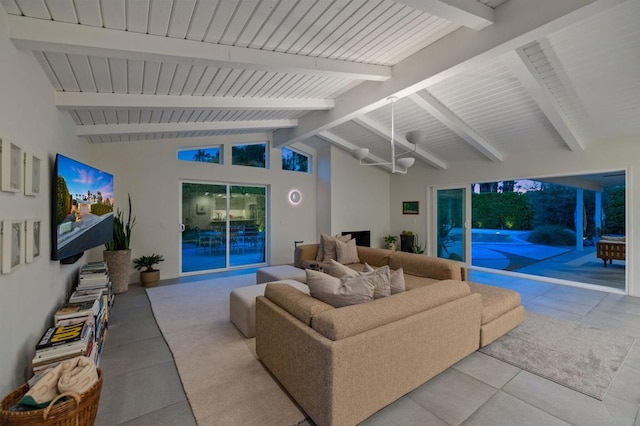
(474, 78)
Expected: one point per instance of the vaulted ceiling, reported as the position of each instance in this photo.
(475, 79)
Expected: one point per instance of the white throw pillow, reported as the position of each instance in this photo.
(338, 270)
(383, 286)
(339, 292)
(396, 279)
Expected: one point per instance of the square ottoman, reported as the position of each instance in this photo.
(242, 304)
(280, 272)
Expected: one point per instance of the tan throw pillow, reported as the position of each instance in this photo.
(340, 292)
(320, 253)
(347, 253)
(329, 246)
(396, 279)
(338, 270)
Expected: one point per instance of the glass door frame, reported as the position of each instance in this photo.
(228, 185)
(432, 219)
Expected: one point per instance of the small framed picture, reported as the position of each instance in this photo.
(200, 209)
(410, 207)
(11, 166)
(33, 240)
(32, 171)
(12, 245)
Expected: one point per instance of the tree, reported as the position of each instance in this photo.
(553, 205)
(63, 199)
(206, 157)
(501, 210)
(614, 209)
(249, 155)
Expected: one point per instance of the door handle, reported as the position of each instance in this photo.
(182, 227)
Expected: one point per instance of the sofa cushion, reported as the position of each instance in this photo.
(339, 292)
(496, 301)
(297, 303)
(611, 238)
(374, 256)
(396, 279)
(351, 320)
(327, 249)
(425, 266)
(347, 252)
(412, 282)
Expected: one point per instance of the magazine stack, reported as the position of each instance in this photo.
(63, 342)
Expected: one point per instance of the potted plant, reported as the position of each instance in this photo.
(391, 242)
(149, 277)
(117, 253)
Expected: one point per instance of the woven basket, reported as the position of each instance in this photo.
(79, 410)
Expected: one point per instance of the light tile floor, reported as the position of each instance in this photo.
(142, 387)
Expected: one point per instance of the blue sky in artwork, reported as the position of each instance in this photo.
(81, 178)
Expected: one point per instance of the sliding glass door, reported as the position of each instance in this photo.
(450, 223)
(224, 226)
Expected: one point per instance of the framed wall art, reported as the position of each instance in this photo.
(12, 245)
(11, 166)
(33, 240)
(32, 172)
(410, 207)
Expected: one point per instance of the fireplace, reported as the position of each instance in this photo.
(363, 238)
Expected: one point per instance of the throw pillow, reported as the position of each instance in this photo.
(381, 279)
(347, 252)
(338, 270)
(340, 292)
(329, 246)
(397, 279)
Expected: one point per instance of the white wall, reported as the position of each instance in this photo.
(30, 294)
(619, 154)
(359, 197)
(150, 172)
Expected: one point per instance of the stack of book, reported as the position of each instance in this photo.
(63, 342)
(93, 275)
(81, 323)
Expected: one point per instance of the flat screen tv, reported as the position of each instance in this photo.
(82, 211)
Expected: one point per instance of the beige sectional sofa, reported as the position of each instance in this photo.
(344, 364)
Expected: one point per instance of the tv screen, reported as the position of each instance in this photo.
(82, 213)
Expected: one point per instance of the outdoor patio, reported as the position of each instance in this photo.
(509, 251)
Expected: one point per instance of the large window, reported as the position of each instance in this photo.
(200, 155)
(250, 155)
(295, 161)
(550, 227)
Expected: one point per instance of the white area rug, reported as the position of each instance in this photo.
(583, 358)
(222, 377)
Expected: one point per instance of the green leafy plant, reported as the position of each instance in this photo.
(390, 239)
(121, 230)
(147, 262)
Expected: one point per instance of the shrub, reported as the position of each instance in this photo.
(552, 235)
(101, 209)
